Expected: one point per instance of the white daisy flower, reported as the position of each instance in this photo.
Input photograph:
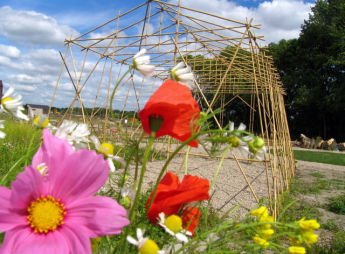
(173, 225)
(107, 150)
(2, 126)
(12, 103)
(141, 63)
(183, 74)
(76, 134)
(144, 244)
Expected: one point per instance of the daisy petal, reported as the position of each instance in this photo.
(178, 66)
(181, 237)
(111, 165)
(131, 240)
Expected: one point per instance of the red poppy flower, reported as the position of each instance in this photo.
(190, 218)
(172, 194)
(171, 110)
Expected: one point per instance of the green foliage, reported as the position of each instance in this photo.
(312, 70)
(337, 204)
(21, 142)
(321, 157)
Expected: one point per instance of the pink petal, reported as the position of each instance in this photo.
(28, 186)
(52, 151)
(101, 215)
(80, 175)
(9, 218)
(78, 242)
(14, 238)
(24, 241)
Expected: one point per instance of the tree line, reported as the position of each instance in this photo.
(312, 69)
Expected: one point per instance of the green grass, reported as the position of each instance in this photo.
(319, 184)
(337, 204)
(317, 175)
(17, 149)
(321, 157)
(297, 210)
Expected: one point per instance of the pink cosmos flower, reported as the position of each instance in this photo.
(55, 210)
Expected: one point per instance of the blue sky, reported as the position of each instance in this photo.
(32, 32)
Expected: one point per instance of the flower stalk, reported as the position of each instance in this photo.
(141, 177)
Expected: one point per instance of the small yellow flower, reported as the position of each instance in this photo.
(260, 241)
(260, 212)
(266, 233)
(297, 250)
(40, 121)
(308, 224)
(309, 237)
(269, 219)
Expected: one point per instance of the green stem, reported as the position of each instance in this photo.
(141, 178)
(215, 176)
(186, 161)
(115, 88)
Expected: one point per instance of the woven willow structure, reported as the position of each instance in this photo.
(230, 67)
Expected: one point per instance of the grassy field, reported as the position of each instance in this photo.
(17, 149)
(321, 157)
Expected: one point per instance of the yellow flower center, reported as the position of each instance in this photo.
(5, 100)
(149, 247)
(106, 149)
(174, 223)
(46, 214)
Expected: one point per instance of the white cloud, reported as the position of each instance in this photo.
(9, 51)
(280, 19)
(32, 27)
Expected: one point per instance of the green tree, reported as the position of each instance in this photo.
(313, 71)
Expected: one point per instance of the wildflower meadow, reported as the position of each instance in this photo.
(68, 191)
